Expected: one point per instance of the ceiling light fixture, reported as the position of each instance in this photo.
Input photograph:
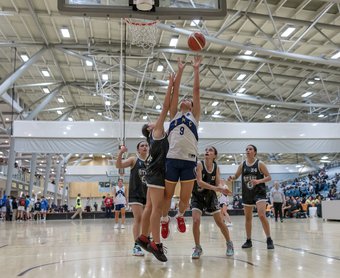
(195, 22)
(24, 57)
(45, 73)
(214, 103)
(336, 55)
(306, 94)
(173, 41)
(65, 32)
(241, 76)
(288, 32)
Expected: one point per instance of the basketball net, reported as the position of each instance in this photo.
(142, 33)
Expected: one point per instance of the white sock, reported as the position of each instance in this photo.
(164, 218)
(180, 214)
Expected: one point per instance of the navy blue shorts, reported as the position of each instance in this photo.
(178, 169)
(119, 207)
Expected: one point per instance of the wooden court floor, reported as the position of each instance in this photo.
(93, 248)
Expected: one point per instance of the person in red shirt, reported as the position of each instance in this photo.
(108, 205)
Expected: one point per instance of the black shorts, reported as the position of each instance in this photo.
(205, 202)
(251, 196)
(137, 195)
(156, 180)
(137, 201)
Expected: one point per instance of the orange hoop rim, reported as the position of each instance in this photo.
(128, 21)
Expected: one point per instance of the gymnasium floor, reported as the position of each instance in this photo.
(92, 248)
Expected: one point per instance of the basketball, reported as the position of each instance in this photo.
(196, 41)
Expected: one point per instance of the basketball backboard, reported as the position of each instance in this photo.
(161, 9)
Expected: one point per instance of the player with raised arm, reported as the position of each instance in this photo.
(182, 155)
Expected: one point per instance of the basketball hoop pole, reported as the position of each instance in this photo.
(121, 89)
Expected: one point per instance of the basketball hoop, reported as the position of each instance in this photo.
(143, 33)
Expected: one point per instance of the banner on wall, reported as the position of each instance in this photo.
(106, 186)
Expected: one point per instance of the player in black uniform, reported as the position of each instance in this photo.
(204, 199)
(137, 186)
(155, 179)
(254, 176)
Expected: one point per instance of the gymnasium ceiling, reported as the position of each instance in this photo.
(278, 70)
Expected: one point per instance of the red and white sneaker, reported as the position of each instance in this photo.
(165, 231)
(181, 224)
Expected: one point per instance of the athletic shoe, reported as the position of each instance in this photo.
(116, 226)
(198, 251)
(122, 226)
(165, 228)
(281, 220)
(181, 224)
(229, 224)
(230, 248)
(247, 244)
(143, 242)
(137, 251)
(270, 243)
(158, 251)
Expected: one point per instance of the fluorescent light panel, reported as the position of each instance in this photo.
(61, 100)
(241, 76)
(306, 94)
(160, 68)
(241, 90)
(150, 97)
(288, 32)
(336, 55)
(46, 90)
(65, 32)
(105, 77)
(89, 63)
(173, 41)
(214, 103)
(45, 73)
(24, 57)
(195, 22)
(59, 112)
(248, 52)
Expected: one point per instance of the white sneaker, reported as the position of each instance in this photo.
(122, 226)
(229, 224)
(116, 226)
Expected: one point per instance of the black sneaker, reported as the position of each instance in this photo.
(143, 242)
(270, 243)
(157, 250)
(247, 244)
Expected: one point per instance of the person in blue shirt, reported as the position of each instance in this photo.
(44, 207)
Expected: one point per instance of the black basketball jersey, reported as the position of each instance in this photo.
(206, 177)
(250, 173)
(155, 162)
(137, 183)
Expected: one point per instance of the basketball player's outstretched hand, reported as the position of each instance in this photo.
(230, 178)
(123, 149)
(197, 61)
(181, 64)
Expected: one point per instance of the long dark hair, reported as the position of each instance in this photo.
(146, 133)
